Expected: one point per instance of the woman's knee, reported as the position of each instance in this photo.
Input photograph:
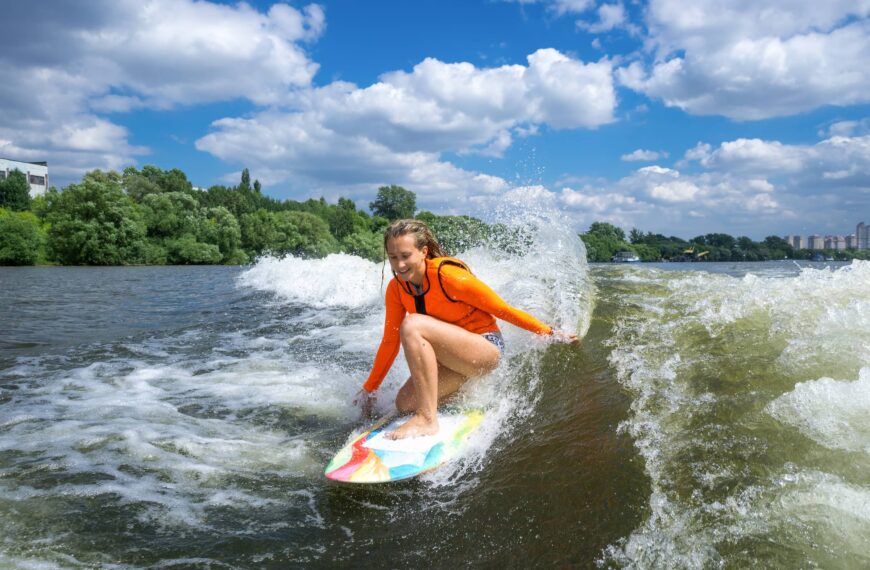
(412, 324)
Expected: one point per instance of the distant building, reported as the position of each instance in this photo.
(797, 242)
(36, 173)
(851, 241)
(835, 242)
(816, 241)
(862, 236)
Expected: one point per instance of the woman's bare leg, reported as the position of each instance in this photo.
(449, 381)
(429, 342)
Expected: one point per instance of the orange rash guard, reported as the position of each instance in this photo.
(451, 294)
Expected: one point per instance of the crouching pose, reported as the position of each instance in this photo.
(444, 319)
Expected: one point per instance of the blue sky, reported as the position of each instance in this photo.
(745, 117)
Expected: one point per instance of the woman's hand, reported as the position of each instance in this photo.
(365, 401)
(566, 337)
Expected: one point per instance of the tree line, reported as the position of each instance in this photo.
(156, 217)
(604, 240)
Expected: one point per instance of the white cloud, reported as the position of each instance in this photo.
(675, 191)
(396, 130)
(610, 16)
(845, 160)
(756, 155)
(560, 7)
(846, 128)
(643, 155)
(81, 60)
(599, 203)
(753, 59)
(744, 186)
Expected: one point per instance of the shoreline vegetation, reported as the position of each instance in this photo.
(604, 240)
(157, 217)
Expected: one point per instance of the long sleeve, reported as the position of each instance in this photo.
(463, 286)
(390, 343)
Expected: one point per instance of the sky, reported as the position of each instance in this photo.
(748, 117)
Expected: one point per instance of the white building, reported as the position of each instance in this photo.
(36, 173)
(862, 235)
(816, 241)
(797, 242)
(835, 242)
(851, 241)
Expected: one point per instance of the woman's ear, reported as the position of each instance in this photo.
(425, 251)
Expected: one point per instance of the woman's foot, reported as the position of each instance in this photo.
(417, 426)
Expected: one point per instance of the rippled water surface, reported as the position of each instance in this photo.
(715, 415)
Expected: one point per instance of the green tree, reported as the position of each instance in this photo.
(171, 214)
(394, 203)
(301, 233)
(603, 241)
(341, 222)
(605, 230)
(95, 223)
(241, 201)
(222, 229)
(175, 181)
(287, 232)
(457, 233)
(154, 252)
(245, 183)
(258, 233)
(187, 250)
(778, 247)
(152, 180)
(378, 224)
(722, 240)
(138, 185)
(39, 204)
(745, 249)
(646, 252)
(15, 191)
(365, 244)
(21, 238)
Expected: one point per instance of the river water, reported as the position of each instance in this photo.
(715, 415)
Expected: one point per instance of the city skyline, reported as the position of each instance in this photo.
(858, 240)
(748, 119)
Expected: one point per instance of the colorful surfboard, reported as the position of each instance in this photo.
(372, 458)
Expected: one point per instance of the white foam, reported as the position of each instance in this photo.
(694, 343)
(339, 280)
(833, 413)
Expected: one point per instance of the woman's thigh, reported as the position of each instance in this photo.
(462, 351)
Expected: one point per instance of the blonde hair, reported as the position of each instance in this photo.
(423, 236)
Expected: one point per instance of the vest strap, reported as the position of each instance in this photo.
(455, 262)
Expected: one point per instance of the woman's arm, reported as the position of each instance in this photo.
(463, 286)
(390, 342)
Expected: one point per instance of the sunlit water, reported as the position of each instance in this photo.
(715, 415)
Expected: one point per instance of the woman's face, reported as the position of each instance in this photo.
(407, 262)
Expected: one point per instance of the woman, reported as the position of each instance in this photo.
(443, 317)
